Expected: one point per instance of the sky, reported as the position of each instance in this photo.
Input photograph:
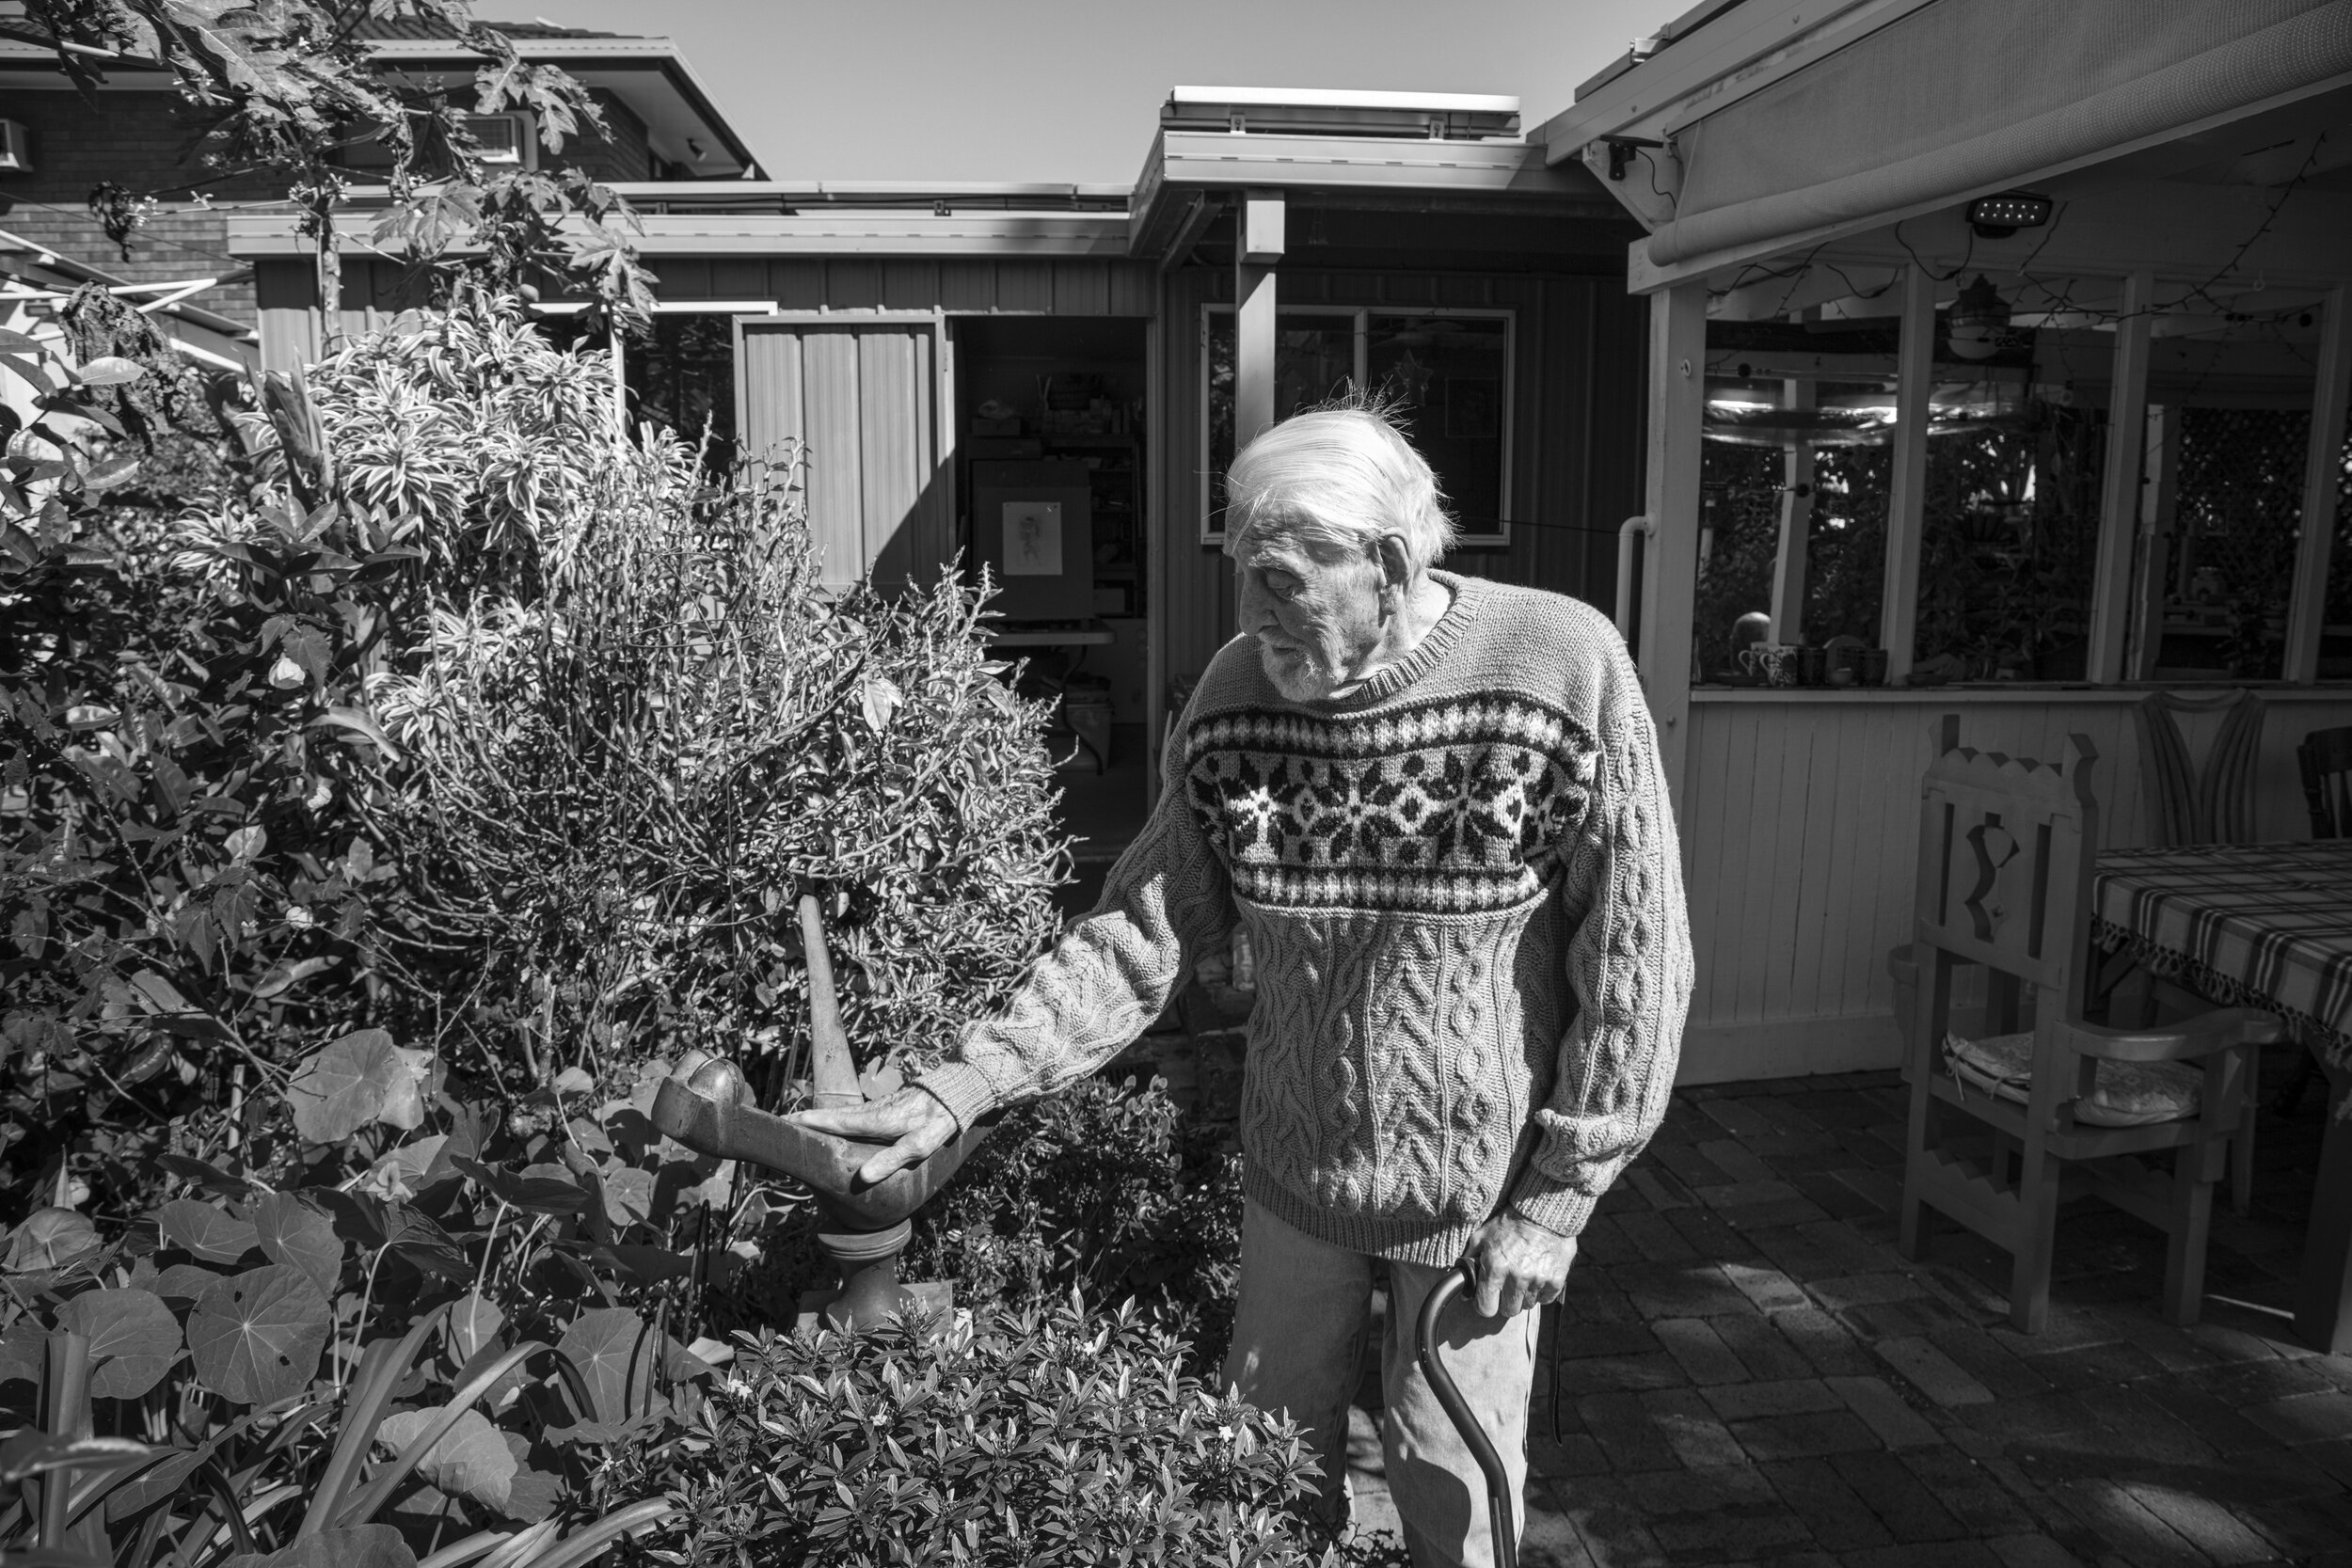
(1070, 89)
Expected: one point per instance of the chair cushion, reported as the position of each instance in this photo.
(2127, 1094)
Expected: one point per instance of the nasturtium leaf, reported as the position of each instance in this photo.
(183, 1282)
(404, 1102)
(346, 1085)
(474, 1322)
(405, 1171)
(542, 1189)
(50, 1239)
(533, 1493)
(210, 1176)
(257, 1336)
(412, 1236)
(358, 1218)
(628, 1194)
(614, 1348)
(152, 1485)
(471, 1458)
(133, 1339)
(296, 1231)
(206, 1230)
(361, 1546)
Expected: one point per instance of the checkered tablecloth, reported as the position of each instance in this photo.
(2262, 926)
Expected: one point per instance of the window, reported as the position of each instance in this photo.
(505, 142)
(504, 139)
(1449, 372)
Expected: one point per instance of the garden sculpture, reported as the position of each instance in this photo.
(706, 1106)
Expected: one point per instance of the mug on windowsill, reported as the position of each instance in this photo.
(1777, 665)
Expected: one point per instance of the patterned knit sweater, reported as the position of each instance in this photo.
(1463, 889)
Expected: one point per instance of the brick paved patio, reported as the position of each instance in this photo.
(1753, 1372)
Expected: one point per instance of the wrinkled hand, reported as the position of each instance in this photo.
(912, 1122)
(1517, 1264)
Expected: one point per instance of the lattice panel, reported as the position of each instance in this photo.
(1742, 497)
(2011, 536)
(2240, 502)
(1846, 558)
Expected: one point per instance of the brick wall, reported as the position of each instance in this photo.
(145, 141)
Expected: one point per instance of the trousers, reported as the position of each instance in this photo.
(1298, 1344)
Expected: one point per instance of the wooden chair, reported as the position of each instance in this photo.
(2005, 878)
(2326, 758)
(2210, 804)
(2213, 804)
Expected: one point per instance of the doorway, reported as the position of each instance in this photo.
(1052, 499)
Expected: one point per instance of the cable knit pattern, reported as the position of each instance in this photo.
(1464, 890)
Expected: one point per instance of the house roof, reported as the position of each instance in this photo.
(650, 75)
(417, 28)
(1764, 129)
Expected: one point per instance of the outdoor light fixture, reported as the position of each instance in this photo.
(1997, 217)
(1979, 321)
(1621, 152)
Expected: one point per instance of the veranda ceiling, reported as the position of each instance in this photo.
(1783, 132)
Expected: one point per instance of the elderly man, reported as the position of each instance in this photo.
(1435, 802)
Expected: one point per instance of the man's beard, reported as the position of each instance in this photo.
(1296, 673)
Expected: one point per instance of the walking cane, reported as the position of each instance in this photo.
(1457, 1410)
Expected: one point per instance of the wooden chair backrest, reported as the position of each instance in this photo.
(2212, 804)
(2326, 757)
(2005, 865)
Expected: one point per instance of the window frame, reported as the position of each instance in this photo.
(1495, 538)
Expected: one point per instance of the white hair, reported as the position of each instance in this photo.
(1342, 476)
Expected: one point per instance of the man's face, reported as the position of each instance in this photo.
(1313, 607)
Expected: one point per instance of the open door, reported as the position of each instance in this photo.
(865, 395)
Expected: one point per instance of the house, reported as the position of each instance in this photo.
(946, 351)
(2010, 339)
(57, 145)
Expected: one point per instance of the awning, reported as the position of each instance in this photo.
(1964, 95)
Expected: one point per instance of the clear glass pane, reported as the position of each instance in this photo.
(1447, 373)
(1740, 500)
(1314, 359)
(2010, 537)
(2239, 504)
(1743, 474)
(1845, 572)
(681, 374)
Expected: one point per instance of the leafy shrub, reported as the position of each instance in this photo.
(1048, 1435)
(636, 730)
(1104, 1189)
(233, 1359)
(188, 885)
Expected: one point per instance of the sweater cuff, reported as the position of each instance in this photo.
(962, 1088)
(1554, 1205)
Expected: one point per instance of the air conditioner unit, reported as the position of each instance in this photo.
(16, 148)
(505, 139)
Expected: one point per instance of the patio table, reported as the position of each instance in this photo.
(2265, 926)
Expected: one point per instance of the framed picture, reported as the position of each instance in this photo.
(1032, 539)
